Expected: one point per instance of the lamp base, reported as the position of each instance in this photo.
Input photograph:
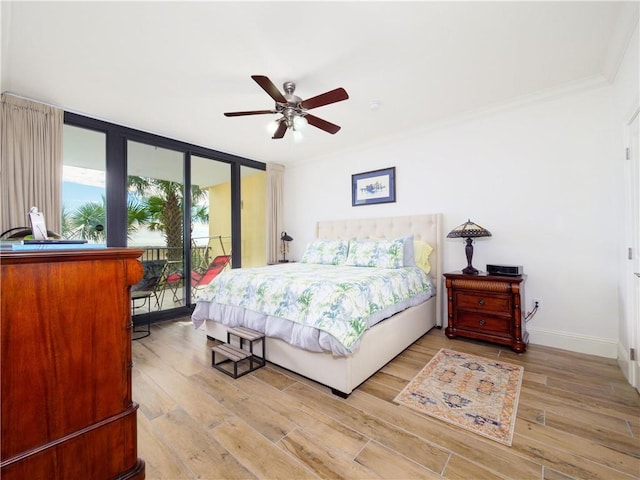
(468, 250)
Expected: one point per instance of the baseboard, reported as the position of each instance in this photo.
(573, 342)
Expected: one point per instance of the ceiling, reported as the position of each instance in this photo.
(173, 68)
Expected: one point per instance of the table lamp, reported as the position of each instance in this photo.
(469, 231)
(284, 247)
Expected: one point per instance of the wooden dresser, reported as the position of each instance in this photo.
(67, 410)
(486, 307)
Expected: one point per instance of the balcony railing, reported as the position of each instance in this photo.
(203, 250)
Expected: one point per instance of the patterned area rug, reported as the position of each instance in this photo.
(474, 393)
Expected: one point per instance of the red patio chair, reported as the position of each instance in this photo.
(199, 279)
(215, 267)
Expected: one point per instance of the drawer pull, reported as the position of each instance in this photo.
(481, 302)
(482, 322)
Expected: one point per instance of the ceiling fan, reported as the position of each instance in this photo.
(293, 108)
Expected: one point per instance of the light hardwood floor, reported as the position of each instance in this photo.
(577, 419)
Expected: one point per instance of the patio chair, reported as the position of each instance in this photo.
(146, 291)
(199, 278)
(217, 265)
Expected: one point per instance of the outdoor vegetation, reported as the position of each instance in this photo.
(153, 203)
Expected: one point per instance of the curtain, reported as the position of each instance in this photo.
(274, 215)
(30, 162)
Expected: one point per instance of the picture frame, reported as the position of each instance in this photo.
(376, 186)
(38, 225)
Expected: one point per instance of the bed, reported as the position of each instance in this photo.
(378, 344)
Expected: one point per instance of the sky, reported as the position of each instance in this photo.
(81, 185)
(75, 194)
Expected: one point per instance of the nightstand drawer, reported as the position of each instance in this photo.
(495, 304)
(483, 323)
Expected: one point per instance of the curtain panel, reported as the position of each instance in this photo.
(274, 215)
(31, 162)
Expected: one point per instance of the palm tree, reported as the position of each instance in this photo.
(88, 220)
(85, 219)
(163, 200)
(67, 229)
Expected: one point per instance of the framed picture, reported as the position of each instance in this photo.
(38, 225)
(377, 186)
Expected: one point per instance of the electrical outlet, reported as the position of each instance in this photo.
(536, 303)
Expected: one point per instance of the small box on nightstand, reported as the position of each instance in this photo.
(509, 270)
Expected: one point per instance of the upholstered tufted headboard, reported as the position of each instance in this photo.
(422, 227)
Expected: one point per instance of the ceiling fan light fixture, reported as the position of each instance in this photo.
(298, 137)
(272, 126)
(299, 123)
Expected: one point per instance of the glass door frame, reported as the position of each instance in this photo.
(117, 190)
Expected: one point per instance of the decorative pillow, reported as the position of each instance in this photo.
(408, 255)
(376, 253)
(421, 251)
(326, 252)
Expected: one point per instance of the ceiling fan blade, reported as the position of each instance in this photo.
(268, 86)
(282, 129)
(333, 96)
(322, 124)
(251, 112)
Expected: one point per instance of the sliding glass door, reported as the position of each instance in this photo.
(84, 209)
(211, 230)
(253, 192)
(155, 212)
(194, 211)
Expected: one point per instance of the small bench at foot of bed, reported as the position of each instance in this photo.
(235, 354)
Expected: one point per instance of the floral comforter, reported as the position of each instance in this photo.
(338, 301)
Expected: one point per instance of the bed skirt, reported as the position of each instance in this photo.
(379, 345)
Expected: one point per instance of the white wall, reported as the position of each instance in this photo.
(538, 176)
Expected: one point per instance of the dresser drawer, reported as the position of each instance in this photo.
(493, 303)
(483, 323)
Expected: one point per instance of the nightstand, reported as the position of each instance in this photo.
(487, 307)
